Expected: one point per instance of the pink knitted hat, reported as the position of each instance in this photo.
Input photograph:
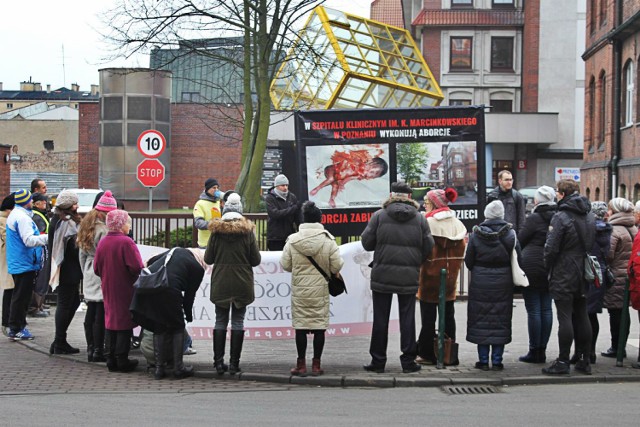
(116, 219)
(441, 198)
(106, 203)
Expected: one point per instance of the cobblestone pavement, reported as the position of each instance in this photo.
(28, 368)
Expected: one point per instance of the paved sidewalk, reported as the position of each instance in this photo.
(270, 361)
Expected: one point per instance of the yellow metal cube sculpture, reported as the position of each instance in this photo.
(343, 61)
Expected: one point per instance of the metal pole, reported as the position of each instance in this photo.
(150, 199)
(624, 326)
(441, 309)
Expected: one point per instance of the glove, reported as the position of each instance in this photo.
(188, 317)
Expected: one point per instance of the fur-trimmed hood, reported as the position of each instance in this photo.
(401, 209)
(233, 227)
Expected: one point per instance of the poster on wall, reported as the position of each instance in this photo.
(349, 158)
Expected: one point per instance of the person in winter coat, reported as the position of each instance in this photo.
(284, 213)
(233, 251)
(537, 299)
(118, 263)
(633, 270)
(206, 208)
(490, 304)
(309, 290)
(571, 235)
(24, 261)
(514, 203)
(595, 295)
(401, 241)
(66, 272)
(165, 311)
(40, 217)
(92, 229)
(624, 231)
(6, 281)
(448, 252)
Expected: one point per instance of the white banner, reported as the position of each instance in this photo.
(269, 317)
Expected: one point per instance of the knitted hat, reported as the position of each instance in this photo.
(401, 187)
(39, 197)
(310, 212)
(8, 203)
(210, 183)
(494, 210)
(441, 198)
(22, 197)
(233, 204)
(66, 199)
(619, 204)
(116, 219)
(106, 203)
(637, 208)
(545, 194)
(280, 180)
(227, 194)
(599, 209)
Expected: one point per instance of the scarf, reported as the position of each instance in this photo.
(67, 229)
(281, 194)
(198, 254)
(435, 211)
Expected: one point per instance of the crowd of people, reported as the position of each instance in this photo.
(65, 252)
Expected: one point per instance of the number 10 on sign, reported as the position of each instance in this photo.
(151, 143)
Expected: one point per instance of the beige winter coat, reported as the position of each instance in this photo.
(624, 231)
(309, 291)
(6, 280)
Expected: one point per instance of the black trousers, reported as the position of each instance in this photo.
(275, 245)
(6, 306)
(118, 344)
(94, 324)
(428, 315)
(20, 300)
(380, 329)
(572, 314)
(68, 303)
(615, 318)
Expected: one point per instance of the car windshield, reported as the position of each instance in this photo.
(86, 199)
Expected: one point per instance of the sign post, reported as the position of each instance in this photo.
(150, 172)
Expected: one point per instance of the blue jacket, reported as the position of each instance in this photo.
(24, 242)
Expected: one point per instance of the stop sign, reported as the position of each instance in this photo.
(150, 172)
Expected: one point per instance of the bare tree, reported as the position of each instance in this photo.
(266, 28)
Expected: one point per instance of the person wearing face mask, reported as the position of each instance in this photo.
(206, 208)
(284, 213)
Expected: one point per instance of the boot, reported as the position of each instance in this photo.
(158, 353)
(531, 356)
(219, 341)
(316, 370)
(558, 367)
(110, 338)
(123, 344)
(61, 346)
(237, 337)
(542, 355)
(180, 371)
(98, 355)
(88, 336)
(301, 368)
(574, 359)
(582, 365)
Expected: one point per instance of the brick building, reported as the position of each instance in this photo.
(612, 106)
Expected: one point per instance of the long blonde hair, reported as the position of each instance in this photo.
(87, 229)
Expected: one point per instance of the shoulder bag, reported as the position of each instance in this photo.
(592, 271)
(334, 282)
(518, 276)
(148, 282)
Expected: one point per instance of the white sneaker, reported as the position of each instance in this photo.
(189, 352)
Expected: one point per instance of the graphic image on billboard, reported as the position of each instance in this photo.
(348, 176)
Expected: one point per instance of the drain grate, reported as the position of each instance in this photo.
(470, 389)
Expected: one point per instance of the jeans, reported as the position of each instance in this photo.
(237, 317)
(497, 350)
(539, 316)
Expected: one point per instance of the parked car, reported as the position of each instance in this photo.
(529, 193)
(86, 196)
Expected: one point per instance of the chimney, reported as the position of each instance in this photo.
(48, 88)
(75, 87)
(0, 85)
(37, 87)
(26, 86)
(95, 89)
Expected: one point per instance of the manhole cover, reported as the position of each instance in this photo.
(470, 389)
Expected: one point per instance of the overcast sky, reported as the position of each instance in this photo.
(33, 34)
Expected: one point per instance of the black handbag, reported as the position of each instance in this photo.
(334, 282)
(149, 283)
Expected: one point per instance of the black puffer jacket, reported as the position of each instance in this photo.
(514, 206)
(563, 253)
(490, 304)
(284, 215)
(401, 239)
(600, 250)
(532, 238)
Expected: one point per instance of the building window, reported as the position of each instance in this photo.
(501, 53)
(9, 105)
(592, 114)
(501, 106)
(462, 102)
(593, 10)
(503, 3)
(190, 96)
(627, 95)
(461, 53)
(461, 3)
(602, 120)
(603, 12)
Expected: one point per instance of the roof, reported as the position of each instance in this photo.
(41, 111)
(60, 94)
(388, 11)
(470, 17)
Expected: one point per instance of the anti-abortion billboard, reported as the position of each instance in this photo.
(347, 159)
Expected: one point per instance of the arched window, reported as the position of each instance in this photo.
(622, 191)
(636, 192)
(603, 12)
(597, 193)
(627, 94)
(602, 110)
(593, 10)
(591, 111)
(587, 193)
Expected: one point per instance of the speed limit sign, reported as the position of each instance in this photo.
(151, 143)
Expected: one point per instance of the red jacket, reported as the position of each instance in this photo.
(118, 263)
(633, 270)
